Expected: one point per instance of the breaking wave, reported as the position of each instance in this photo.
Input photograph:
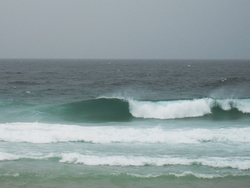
(216, 162)
(240, 163)
(123, 110)
(188, 108)
(53, 133)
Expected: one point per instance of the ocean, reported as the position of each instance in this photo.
(124, 123)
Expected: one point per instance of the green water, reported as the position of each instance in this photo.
(124, 124)
(47, 174)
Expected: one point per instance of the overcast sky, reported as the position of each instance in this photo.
(151, 29)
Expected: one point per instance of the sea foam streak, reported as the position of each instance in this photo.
(184, 108)
(178, 175)
(241, 163)
(8, 157)
(217, 162)
(51, 133)
(12, 157)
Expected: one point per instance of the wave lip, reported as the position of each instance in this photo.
(242, 105)
(170, 109)
(186, 108)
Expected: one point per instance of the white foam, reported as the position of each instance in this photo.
(178, 175)
(12, 157)
(243, 105)
(8, 157)
(13, 175)
(225, 104)
(241, 163)
(120, 96)
(197, 175)
(217, 162)
(184, 108)
(170, 109)
(180, 108)
(52, 133)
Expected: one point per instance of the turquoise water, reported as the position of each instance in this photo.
(124, 123)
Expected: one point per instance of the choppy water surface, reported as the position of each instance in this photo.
(124, 123)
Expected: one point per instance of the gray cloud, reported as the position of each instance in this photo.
(166, 29)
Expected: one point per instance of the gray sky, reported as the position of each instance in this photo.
(152, 29)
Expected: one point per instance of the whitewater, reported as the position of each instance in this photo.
(47, 133)
(124, 123)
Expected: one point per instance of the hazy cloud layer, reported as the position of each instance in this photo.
(166, 29)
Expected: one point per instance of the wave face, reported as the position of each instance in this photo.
(95, 110)
(123, 110)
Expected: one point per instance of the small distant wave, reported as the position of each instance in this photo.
(216, 162)
(240, 163)
(10, 175)
(53, 133)
(183, 174)
(13, 157)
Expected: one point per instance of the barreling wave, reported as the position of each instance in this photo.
(119, 109)
(115, 109)
(95, 110)
(53, 133)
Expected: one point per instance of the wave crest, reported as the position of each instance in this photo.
(240, 163)
(170, 109)
(123, 110)
(186, 108)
